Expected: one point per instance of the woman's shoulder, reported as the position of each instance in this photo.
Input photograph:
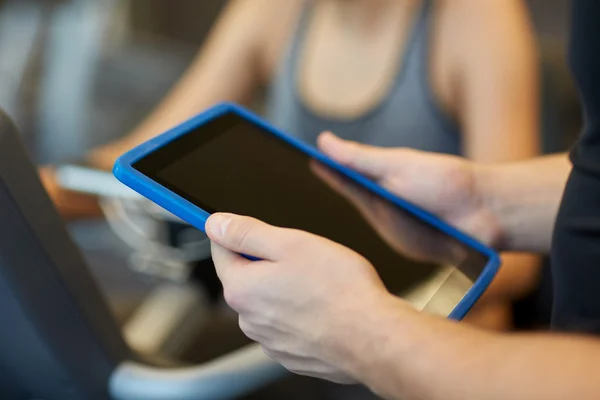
(494, 32)
(265, 12)
(477, 22)
(261, 27)
(262, 15)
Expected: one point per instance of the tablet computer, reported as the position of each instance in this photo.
(229, 160)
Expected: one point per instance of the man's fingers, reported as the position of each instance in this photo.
(358, 196)
(331, 178)
(372, 161)
(248, 236)
(226, 260)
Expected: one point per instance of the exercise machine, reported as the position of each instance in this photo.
(58, 338)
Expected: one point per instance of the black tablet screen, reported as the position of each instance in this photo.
(233, 165)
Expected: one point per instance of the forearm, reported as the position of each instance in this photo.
(524, 197)
(517, 277)
(226, 68)
(402, 354)
(184, 100)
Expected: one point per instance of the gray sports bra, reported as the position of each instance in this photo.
(408, 116)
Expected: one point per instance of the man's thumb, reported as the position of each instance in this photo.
(247, 235)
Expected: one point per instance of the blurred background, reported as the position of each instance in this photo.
(78, 73)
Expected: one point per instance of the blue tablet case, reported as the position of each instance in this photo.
(197, 217)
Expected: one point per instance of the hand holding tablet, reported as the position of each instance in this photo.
(228, 160)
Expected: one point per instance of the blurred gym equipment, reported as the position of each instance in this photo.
(59, 340)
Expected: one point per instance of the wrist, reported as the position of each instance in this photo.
(505, 200)
(364, 342)
(102, 158)
(490, 216)
(522, 199)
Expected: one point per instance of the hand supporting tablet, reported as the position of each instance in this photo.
(409, 238)
(228, 160)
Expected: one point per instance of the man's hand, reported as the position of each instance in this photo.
(405, 234)
(509, 206)
(445, 185)
(306, 298)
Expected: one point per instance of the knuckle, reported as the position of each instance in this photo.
(273, 355)
(234, 297)
(246, 327)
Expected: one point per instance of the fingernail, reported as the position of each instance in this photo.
(328, 141)
(218, 224)
(329, 136)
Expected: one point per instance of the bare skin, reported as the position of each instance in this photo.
(320, 309)
(482, 69)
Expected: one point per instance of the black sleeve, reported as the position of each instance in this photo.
(576, 246)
